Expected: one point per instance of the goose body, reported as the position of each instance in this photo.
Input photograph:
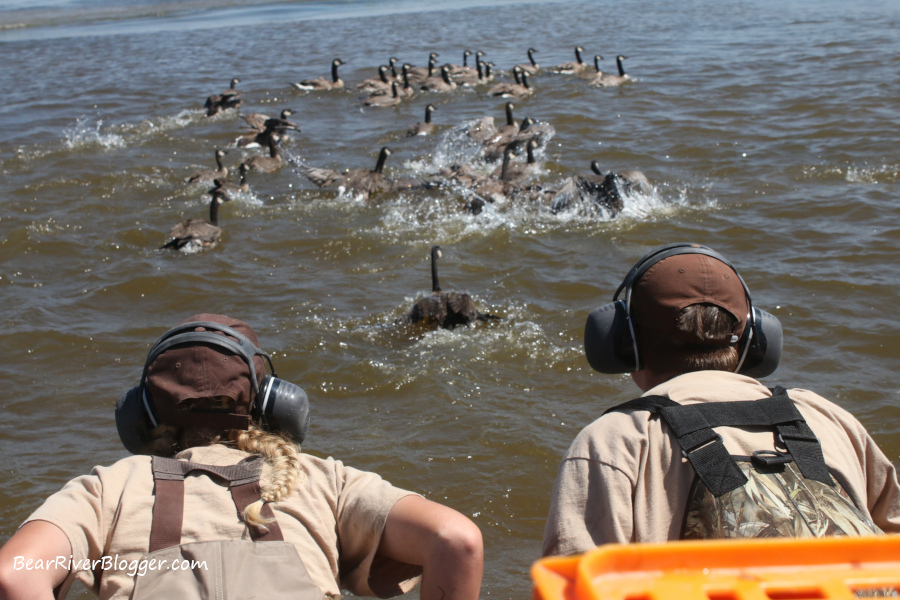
(596, 73)
(571, 68)
(439, 84)
(423, 127)
(231, 189)
(209, 175)
(380, 84)
(321, 83)
(419, 74)
(266, 164)
(358, 182)
(513, 90)
(194, 235)
(531, 67)
(230, 98)
(473, 79)
(262, 127)
(517, 172)
(610, 80)
(382, 100)
(441, 309)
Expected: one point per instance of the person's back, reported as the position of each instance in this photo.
(221, 484)
(653, 470)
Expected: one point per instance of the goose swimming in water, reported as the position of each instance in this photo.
(321, 83)
(381, 100)
(263, 127)
(357, 182)
(571, 68)
(610, 80)
(513, 90)
(600, 191)
(194, 235)
(423, 127)
(591, 75)
(231, 189)
(439, 84)
(419, 74)
(379, 84)
(531, 66)
(230, 98)
(517, 172)
(209, 175)
(441, 309)
(266, 164)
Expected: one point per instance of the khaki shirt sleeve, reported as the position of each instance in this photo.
(882, 488)
(364, 501)
(592, 500)
(77, 510)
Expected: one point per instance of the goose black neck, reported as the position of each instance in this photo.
(530, 149)
(334, 73)
(595, 167)
(531, 57)
(214, 210)
(509, 114)
(435, 284)
(621, 66)
(578, 55)
(428, 110)
(382, 157)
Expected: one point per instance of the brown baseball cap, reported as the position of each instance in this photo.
(682, 280)
(185, 378)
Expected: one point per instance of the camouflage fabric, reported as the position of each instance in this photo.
(778, 503)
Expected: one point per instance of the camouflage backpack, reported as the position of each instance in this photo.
(773, 493)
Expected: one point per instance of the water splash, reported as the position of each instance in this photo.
(83, 134)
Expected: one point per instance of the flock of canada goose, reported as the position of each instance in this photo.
(482, 182)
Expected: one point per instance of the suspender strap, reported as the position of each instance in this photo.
(246, 494)
(692, 424)
(168, 505)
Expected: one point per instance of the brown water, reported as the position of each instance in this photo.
(769, 131)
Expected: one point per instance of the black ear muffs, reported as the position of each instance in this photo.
(609, 339)
(279, 406)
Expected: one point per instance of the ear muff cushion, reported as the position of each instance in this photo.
(607, 339)
(764, 352)
(130, 422)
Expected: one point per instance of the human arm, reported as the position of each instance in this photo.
(444, 542)
(35, 541)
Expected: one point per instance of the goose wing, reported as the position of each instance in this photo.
(321, 177)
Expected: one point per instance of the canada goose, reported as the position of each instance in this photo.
(610, 80)
(382, 83)
(601, 191)
(517, 172)
(529, 130)
(513, 90)
(531, 66)
(208, 175)
(441, 309)
(392, 65)
(230, 98)
(407, 90)
(263, 126)
(496, 143)
(267, 164)
(230, 188)
(470, 80)
(439, 84)
(464, 70)
(382, 100)
(358, 182)
(571, 68)
(418, 74)
(193, 235)
(423, 127)
(321, 83)
(588, 74)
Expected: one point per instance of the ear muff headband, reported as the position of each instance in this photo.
(655, 256)
(185, 334)
(609, 335)
(280, 406)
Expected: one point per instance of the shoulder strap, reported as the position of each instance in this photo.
(692, 425)
(242, 480)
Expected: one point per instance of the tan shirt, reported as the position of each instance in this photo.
(624, 478)
(335, 519)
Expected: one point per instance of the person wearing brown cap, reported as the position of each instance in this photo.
(708, 451)
(218, 477)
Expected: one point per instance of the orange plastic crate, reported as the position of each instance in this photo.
(770, 569)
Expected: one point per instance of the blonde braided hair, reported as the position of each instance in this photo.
(284, 458)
